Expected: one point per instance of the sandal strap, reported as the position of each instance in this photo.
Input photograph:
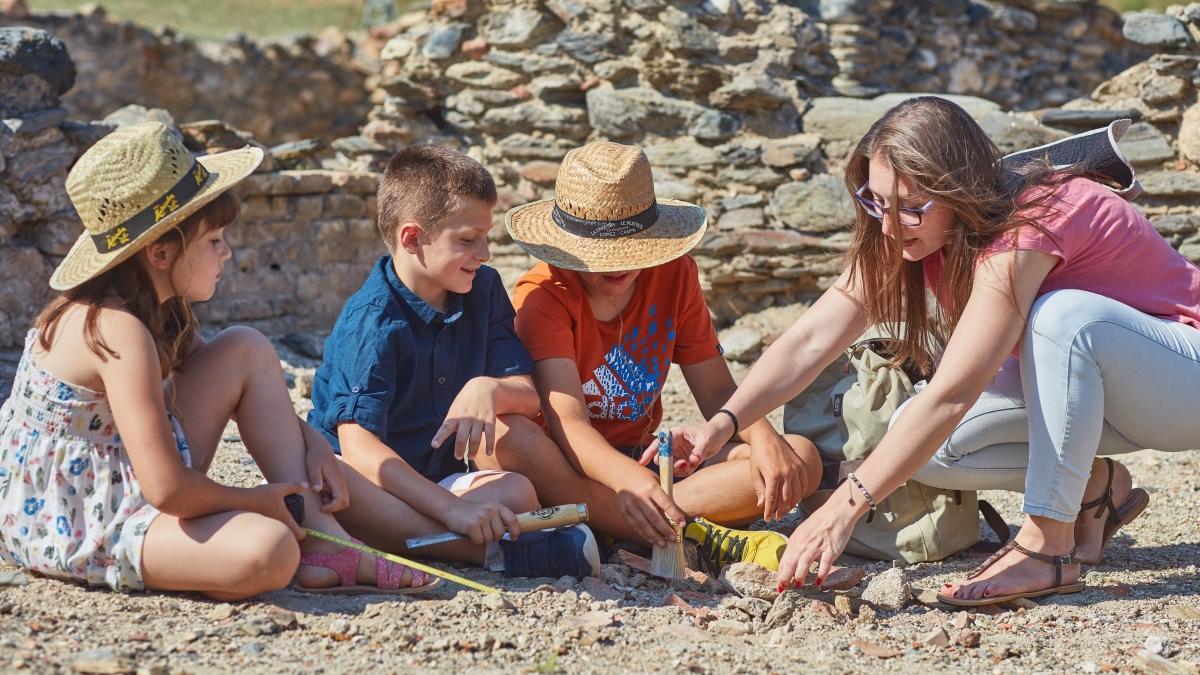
(344, 562)
(1057, 560)
(1104, 501)
(991, 560)
(389, 575)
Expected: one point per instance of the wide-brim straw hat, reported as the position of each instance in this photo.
(604, 216)
(132, 186)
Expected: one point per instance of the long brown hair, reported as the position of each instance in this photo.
(172, 323)
(948, 157)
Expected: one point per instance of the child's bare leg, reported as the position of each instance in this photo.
(722, 492)
(723, 489)
(227, 556)
(238, 374)
(522, 447)
(384, 521)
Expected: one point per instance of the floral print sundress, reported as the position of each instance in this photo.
(70, 506)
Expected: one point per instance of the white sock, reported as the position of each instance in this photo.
(493, 556)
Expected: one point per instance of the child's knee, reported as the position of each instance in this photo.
(519, 440)
(804, 448)
(269, 558)
(516, 492)
(249, 344)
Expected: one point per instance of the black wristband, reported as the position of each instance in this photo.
(736, 426)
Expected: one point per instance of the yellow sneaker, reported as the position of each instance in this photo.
(720, 546)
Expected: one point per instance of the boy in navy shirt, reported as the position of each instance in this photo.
(421, 362)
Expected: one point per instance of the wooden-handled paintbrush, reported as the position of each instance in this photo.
(668, 560)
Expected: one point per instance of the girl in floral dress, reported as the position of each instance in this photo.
(118, 405)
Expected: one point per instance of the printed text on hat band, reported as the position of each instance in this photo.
(179, 194)
(605, 229)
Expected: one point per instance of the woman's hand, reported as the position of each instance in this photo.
(691, 445)
(821, 538)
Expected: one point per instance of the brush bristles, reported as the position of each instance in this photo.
(669, 561)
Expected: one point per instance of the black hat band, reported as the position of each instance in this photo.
(605, 229)
(117, 237)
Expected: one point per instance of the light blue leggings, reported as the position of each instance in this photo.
(1095, 377)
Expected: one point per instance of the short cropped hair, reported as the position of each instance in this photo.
(424, 183)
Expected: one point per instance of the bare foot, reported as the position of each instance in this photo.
(1089, 530)
(1015, 572)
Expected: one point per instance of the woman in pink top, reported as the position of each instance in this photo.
(1048, 265)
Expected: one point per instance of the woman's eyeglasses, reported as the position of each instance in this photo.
(908, 217)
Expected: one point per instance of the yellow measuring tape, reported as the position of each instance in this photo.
(454, 578)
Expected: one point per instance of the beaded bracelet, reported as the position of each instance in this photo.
(867, 495)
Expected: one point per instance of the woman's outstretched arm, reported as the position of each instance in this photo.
(1004, 289)
(789, 365)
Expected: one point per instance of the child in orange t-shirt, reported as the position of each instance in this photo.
(615, 303)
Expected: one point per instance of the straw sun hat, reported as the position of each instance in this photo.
(132, 186)
(604, 216)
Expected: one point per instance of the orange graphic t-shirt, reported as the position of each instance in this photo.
(622, 363)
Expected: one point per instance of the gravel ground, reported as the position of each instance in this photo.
(1140, 612)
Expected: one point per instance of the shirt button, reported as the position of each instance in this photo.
(355, 389)
(441, 380)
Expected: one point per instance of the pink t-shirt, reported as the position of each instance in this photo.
(1106, 246)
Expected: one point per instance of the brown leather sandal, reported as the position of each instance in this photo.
(1059, 587)
(1137, 502)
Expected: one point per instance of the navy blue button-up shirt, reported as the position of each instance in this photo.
(394, 364)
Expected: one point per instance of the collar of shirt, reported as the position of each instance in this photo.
(427, 313)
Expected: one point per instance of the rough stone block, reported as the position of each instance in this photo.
(517, 28)
(819, 204)
(33, 122)
(1170, 183)
(1145, 144)
(484, 75)
(289, 183)
(38, 165)
(790, 151)
(32, 51)
(627, 113)
(343, 205)
(1155, 30)
(356, 182)
(681, 153)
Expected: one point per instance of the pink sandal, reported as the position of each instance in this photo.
(387, 574)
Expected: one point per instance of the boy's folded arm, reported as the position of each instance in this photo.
(565, 412)
(378, 463)
(516, 395)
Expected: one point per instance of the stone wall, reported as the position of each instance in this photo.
(745, 107)
(737, 130)
(277, 90)
(36, 149)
